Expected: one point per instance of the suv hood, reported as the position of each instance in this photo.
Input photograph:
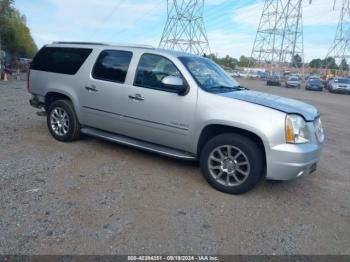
(283, 104)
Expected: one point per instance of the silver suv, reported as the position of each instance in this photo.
(178, 105)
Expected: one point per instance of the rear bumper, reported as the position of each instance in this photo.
(289, 161)
(292, 85)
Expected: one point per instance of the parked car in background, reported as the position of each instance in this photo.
(263, 75)
(340, 85)
(273, 80)
(314, 84)
(327, 82)
(235, 73)
(293, 81)
(243, 74)
(178, 105)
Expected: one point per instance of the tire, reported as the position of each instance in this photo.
(67, 127)
(238, 183)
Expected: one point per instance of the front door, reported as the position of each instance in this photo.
(153, 113)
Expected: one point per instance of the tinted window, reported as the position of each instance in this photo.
(152, 69)
(112, 65)
(60, 60)
(342, 81)
(315, 81)
(293, 79)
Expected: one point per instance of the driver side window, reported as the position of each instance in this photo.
(152, 69)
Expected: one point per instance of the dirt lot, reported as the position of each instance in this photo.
(94, 197)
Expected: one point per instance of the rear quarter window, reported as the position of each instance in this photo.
(112, 65)
(60, 60)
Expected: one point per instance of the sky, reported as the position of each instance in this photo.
(231, 24)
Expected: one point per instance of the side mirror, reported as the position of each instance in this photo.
(175, 84)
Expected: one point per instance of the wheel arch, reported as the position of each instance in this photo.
(212, 130)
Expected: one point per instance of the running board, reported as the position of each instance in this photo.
(162, 150)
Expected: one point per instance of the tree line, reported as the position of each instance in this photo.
(329, 63)
(15, 36)
(231, 63)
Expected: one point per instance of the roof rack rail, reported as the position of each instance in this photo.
(105, 44)
(132, 45)
(77, 43)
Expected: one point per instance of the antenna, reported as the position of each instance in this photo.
(184, 29)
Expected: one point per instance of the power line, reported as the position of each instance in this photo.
(107, 18)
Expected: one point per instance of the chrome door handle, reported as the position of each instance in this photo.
(136, 97)
(91, 88)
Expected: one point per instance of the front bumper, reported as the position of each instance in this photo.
(292, 85)
(314, 88)
(340, 90)
(288, 161)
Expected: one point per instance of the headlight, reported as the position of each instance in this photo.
(296, 130)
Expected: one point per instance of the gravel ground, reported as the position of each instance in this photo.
(95, 197)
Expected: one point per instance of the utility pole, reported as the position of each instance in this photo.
(279, 38)
(340, 49)
(184, 29)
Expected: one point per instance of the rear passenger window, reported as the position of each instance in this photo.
(112, 65)
(60, 60)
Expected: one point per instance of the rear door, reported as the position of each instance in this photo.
(102, 94)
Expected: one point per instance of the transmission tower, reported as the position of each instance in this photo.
(184, 29)
(341, 45)
(280, 33)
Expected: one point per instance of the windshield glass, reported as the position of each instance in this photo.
(342, 81)
(209, 75)
(293, 79)
(315, 81)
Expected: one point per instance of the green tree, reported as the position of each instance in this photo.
(297, 61)
(344, 65)
(316, 63)
(246, 61)
(227, 61)
(213, 57)
(15, 36)
(329, 63)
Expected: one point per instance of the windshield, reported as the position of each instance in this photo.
(293, 79)
(315, 81)
(209, 75)
(342, 81)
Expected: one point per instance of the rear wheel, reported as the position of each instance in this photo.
(232, 163)
(62, 121)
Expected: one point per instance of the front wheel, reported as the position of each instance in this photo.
(232, 163)
(62, 121)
